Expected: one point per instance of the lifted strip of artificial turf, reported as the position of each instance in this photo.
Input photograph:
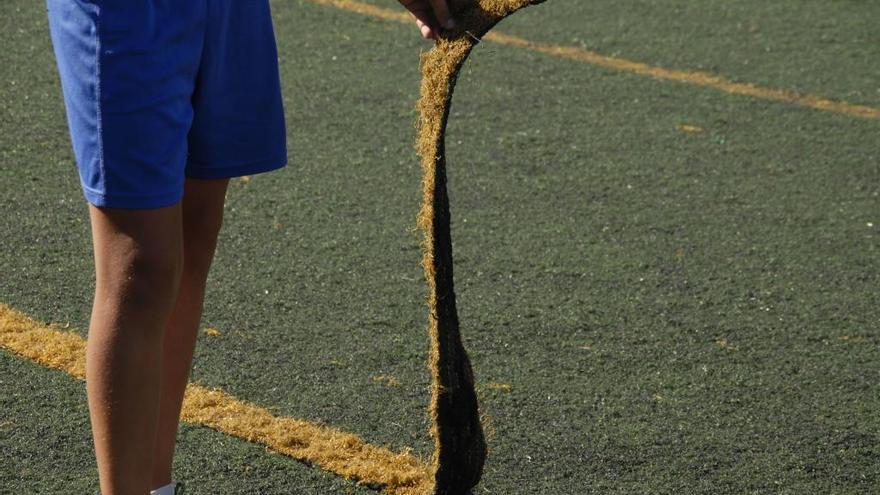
(459, 444)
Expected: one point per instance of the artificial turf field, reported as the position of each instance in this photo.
(663, 287)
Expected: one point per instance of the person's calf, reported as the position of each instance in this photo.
(138, 259)
(202, 219)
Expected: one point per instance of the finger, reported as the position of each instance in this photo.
(420, 10)
(426, 30)
(423, 14)
(441, 12)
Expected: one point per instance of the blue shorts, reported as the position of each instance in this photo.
(160, 90)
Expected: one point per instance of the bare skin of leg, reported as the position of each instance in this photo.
(151, 267)
(202, 212)
(138, 260)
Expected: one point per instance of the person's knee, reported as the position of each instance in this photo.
(146, 276)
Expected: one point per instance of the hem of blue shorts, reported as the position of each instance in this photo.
(203, 171)
(131, 202)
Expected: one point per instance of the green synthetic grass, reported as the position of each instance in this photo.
(342, 453)
(673, 312)
(47, 450)
(808, 46)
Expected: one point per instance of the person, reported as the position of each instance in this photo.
(166, 101)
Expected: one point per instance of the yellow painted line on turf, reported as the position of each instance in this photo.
(579, 54)
(367, 9)
(345, 454)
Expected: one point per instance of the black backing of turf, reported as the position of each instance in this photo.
(602, 256)
(462, 453)
(462, 445)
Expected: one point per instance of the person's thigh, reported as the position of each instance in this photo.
(238, 126)
(128, 70)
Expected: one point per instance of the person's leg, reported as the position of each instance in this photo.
(202, 217)
(138, 259)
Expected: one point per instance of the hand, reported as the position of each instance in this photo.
(430, 16)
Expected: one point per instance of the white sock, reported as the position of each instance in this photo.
(165, 490)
